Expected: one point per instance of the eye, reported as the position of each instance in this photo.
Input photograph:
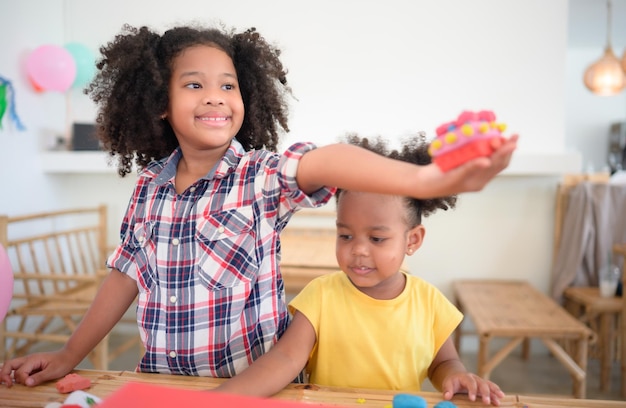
(344, 237)
(193, 85)
(228, 87)
(377, 240)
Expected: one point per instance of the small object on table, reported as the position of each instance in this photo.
(77, 399)
(409, 401)
(72, 382)
(471, 135)
(445, 404)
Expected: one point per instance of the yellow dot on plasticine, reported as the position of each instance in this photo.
(360, 400)
(501, 127)
(450, 138)
(483, 128)
(467, 130)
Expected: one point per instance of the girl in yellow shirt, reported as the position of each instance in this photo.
(372, 325)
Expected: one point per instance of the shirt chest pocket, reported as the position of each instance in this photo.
(226, 249)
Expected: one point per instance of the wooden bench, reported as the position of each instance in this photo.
(58, 262)
(518, 311)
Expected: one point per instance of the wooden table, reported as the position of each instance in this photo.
(518, 311)
(586, 304)
(105, 383)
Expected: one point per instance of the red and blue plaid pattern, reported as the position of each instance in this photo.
(206, 262)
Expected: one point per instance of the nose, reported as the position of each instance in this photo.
(213, 97)
(359, 248)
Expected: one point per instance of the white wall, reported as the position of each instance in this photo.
(374, 67)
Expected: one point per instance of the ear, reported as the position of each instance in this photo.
(415, 239)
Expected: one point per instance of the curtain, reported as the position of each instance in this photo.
(595, 219)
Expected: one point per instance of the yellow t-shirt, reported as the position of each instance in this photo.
(368, 343)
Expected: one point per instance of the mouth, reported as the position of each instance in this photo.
(213, 120)
(361, 270)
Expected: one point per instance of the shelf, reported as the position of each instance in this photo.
(543, 164)
(72, 162)
(522, 164)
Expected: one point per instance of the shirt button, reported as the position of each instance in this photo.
(140, 239)
(172, 299)
(192, 189)
(173, 354)
(175, 241)
(221, 230)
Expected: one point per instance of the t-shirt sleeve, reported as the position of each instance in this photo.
(447, 318)
(307, 302)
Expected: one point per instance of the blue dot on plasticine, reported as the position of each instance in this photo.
(445, 404)
(409, 401)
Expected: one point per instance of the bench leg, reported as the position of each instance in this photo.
(605, 350)
(526, 348)
(483, 355)
(100, 355)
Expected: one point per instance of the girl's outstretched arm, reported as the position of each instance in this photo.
(114, 296)
(354, 168)
(275, 369)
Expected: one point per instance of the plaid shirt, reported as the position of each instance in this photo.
(211, 296)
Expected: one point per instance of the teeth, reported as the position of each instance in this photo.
(214, 119)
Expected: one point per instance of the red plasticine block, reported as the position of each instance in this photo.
(471, 135)
(135, 394)
(72, 382)
(480, 148)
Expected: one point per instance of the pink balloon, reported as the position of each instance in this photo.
(6, 283)
(51, 67)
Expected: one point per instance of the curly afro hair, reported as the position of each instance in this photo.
(414, 150)
(131, 90)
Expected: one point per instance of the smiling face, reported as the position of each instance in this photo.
(205, 106)
(373, 237)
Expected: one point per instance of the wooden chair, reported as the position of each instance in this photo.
(58, 261)
(601, 314)
(620, 249)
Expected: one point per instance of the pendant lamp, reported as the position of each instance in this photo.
(606, 76)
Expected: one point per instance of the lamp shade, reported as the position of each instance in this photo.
(606, 77)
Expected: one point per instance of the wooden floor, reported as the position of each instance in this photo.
(541, 374)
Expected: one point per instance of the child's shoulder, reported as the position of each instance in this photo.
(420, 284)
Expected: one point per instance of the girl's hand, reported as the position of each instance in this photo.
(36, 368)
(472, 385)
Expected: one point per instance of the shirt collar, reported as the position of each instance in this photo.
(227, 164)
